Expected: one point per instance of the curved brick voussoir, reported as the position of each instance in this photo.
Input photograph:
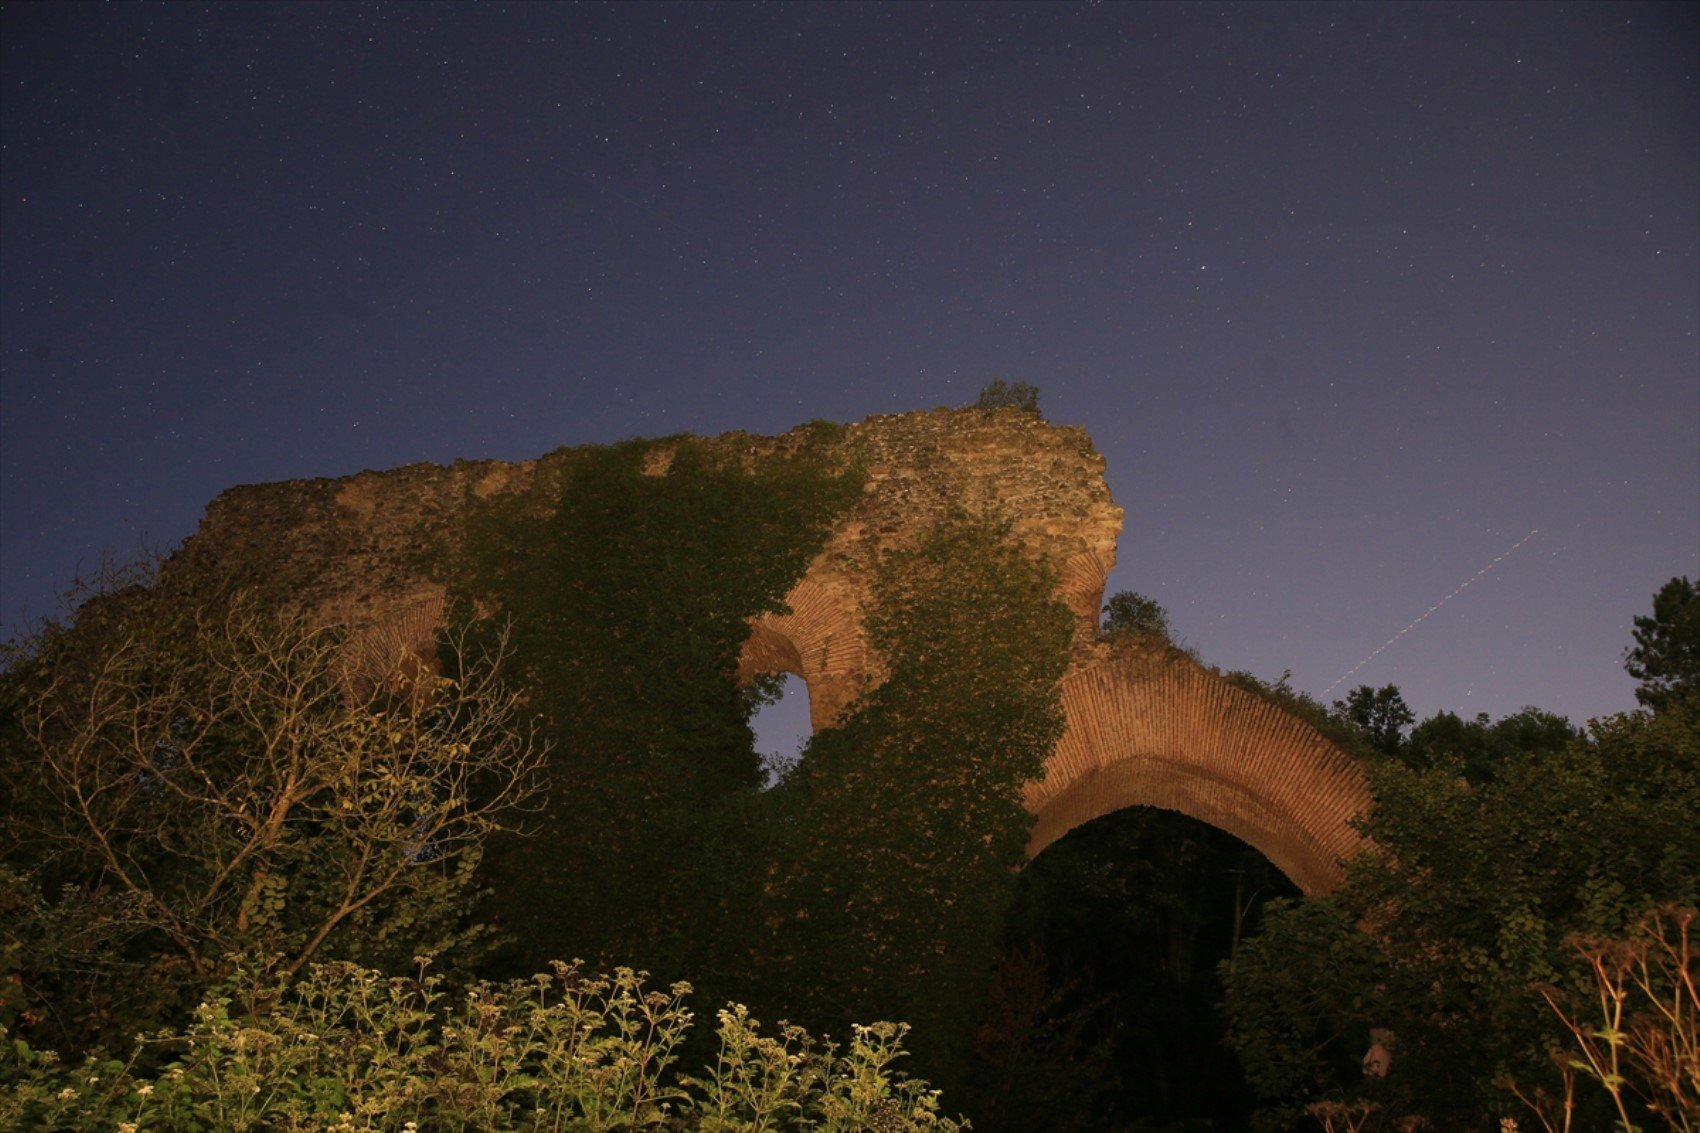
(1151, 729)
(1080, 584)
(403, 636)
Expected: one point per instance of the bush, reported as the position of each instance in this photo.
(1128, 612)
(1441, 936)
(1641, 1041)
(1000, 394)
(344, 1048)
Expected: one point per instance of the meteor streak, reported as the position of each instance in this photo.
(1465, 585)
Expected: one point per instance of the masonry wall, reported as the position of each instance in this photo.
(352, 551)
(1143, 729)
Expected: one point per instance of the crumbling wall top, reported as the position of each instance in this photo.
(354, 550)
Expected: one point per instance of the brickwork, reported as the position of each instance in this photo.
(1151, 727)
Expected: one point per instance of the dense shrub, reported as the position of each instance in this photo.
(345, 1049)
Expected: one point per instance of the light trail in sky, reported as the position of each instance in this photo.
(1465, 585)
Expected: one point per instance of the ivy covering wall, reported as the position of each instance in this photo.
(902, 829)
(873, 879)
(625, 580)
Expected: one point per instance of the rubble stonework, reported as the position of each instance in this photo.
(1142, 729)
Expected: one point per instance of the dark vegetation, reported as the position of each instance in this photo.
(1104, 1015)
(1128, 612)
(999, 394)
(627, 598)
(1519, 853)
(1666, 653)
(198, 804)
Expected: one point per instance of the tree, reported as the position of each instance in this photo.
(1128, 612)
(1666, 655)
(999, 394)
(1481, 746)
(1381, 714)
(1442, 936)
(207, 777)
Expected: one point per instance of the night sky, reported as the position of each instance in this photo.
(1353, 298)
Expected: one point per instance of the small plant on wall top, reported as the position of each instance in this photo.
(1000, 394)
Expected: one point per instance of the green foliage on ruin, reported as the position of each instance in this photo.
(900, 833)
(625, 578)
(999, 394)
(1338, 729)
(870, 882)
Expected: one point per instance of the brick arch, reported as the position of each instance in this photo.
(1080, 585)
(1147, 729)
(820, 639)
(404, 634)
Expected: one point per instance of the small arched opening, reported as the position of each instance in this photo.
(781, 723)
(772, 670)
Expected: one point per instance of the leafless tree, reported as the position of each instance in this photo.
(221, 771)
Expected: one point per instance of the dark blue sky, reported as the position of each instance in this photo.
(1353, 298)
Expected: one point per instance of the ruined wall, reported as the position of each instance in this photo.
(1047, 480)
(352, 551)
(1143, 727)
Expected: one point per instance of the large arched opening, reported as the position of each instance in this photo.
(1109, 979)
(1174, 807)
